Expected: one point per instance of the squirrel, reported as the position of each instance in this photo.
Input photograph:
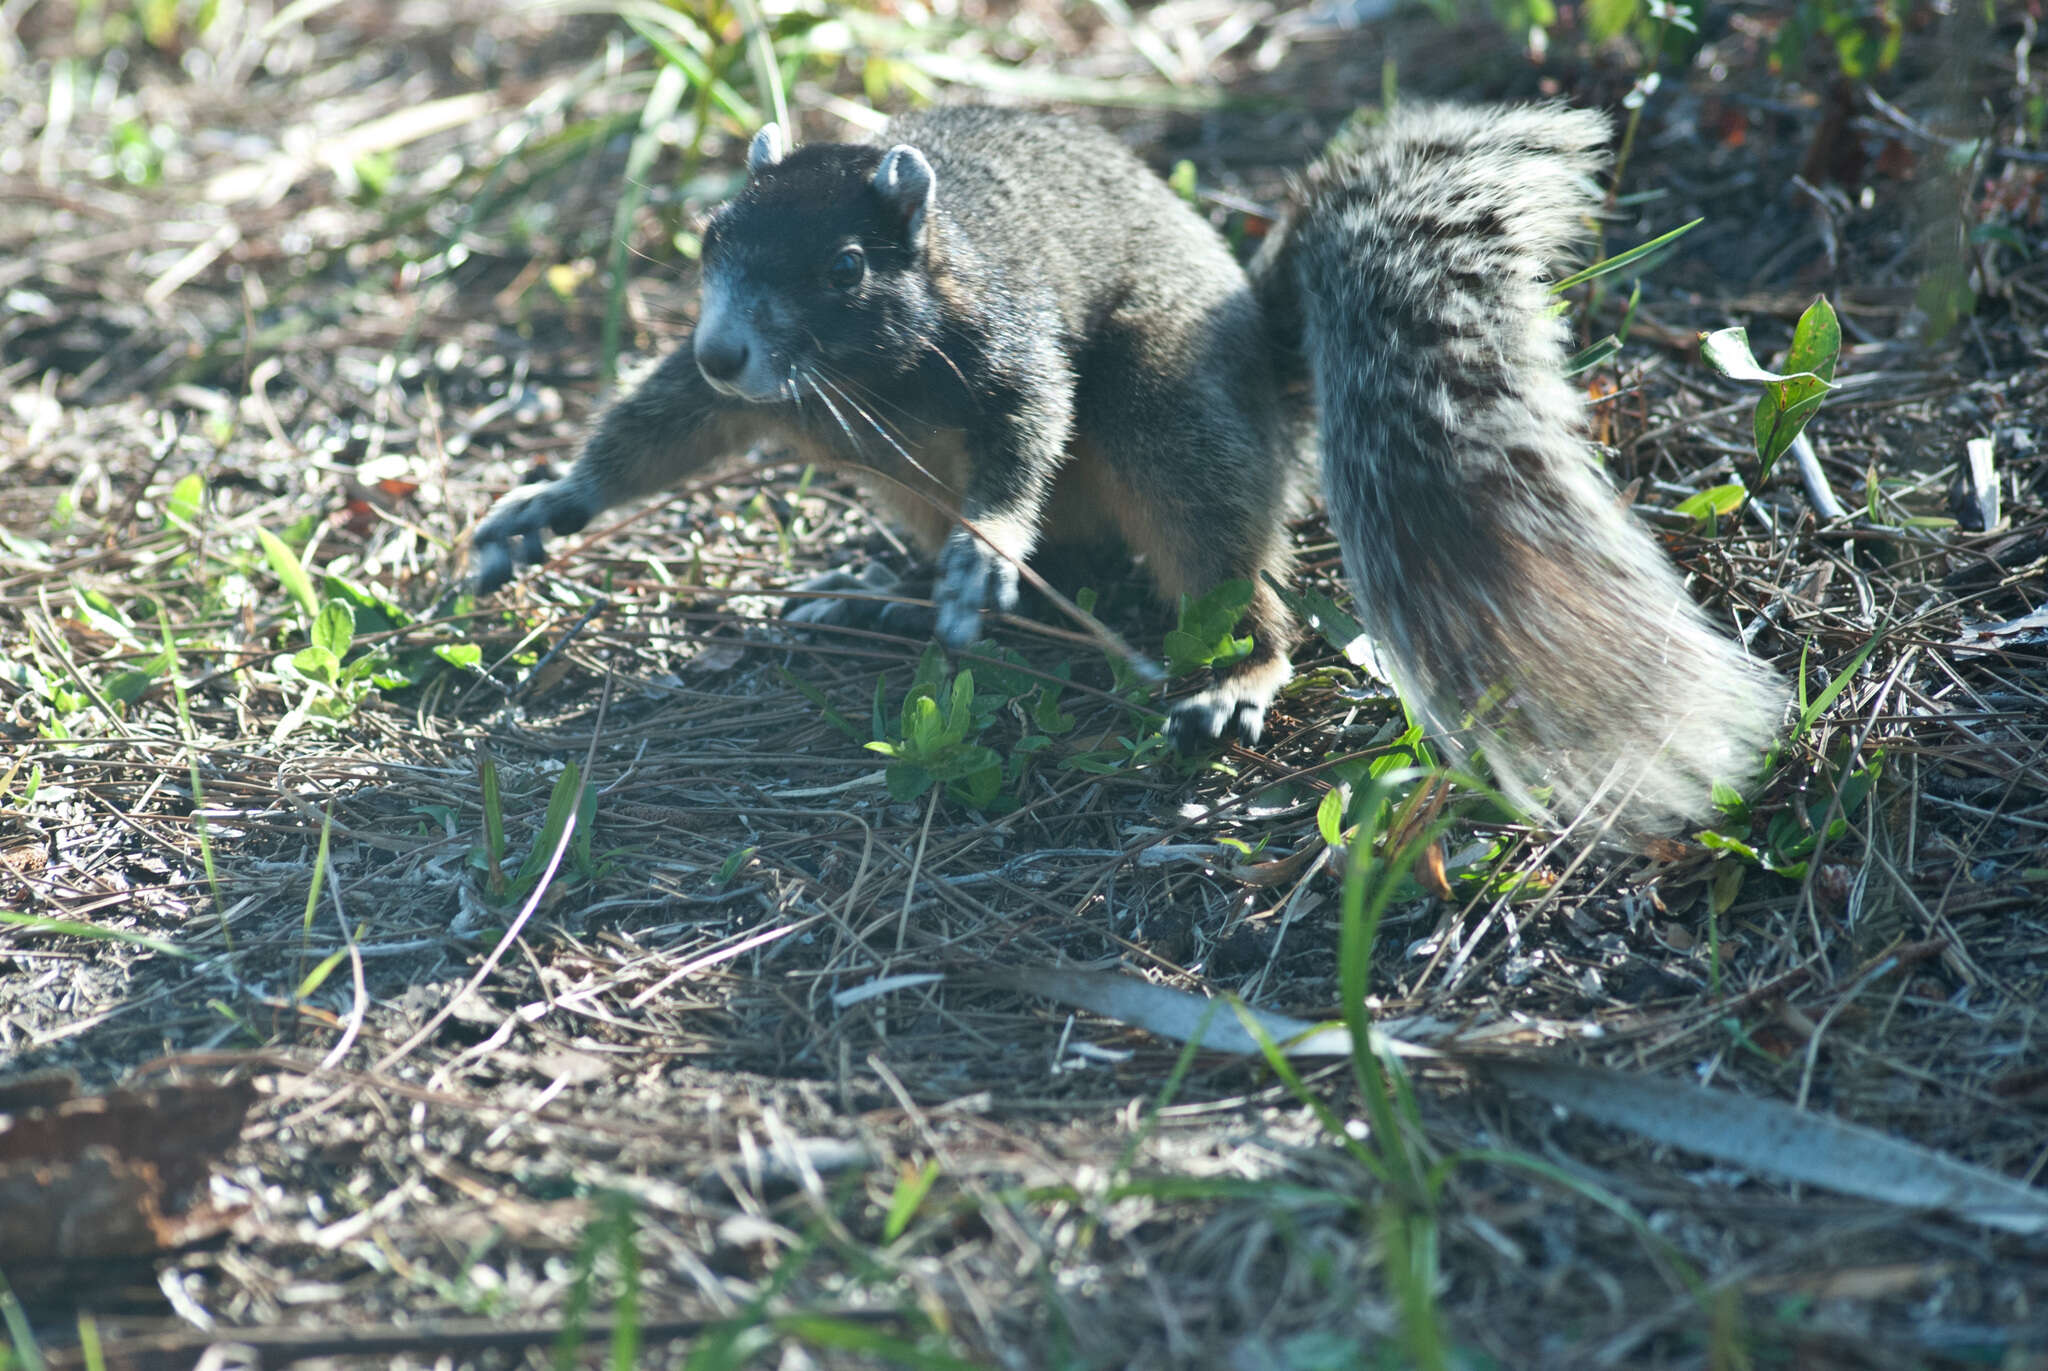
(1018, 334)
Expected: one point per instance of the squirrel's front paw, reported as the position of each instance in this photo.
(972, 578)
(511, 537)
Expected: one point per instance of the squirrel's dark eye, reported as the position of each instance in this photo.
(847, 269)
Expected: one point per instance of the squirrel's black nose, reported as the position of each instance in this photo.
(721, 356)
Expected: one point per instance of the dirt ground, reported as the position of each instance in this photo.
(771, 1062)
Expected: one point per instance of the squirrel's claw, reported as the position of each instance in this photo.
(511, 537)
(972, 578)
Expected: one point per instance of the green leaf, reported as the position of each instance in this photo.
(907, 782)
(1330, 816)
(922, 727)
(1787, 838)
(586, 826)
(958, 763)
(494, 822)
(1715, 502)
(317, 977)
(1722, 842)
(187, 497)
(37, 923)
(459, 654)
(1591, 357)
(1337, 628)
(1790, 397)
(317, 664)
(905, 1199)
(1048, 715)
(663, 100)
(126, 687)
(1205, 634)
(375, 612)
(1607, 18)
(962, 714)
(1783, 411)
(563, 801)
(285, 566)
(730, 867)
(1816, 341)
(1726, 350)
(982, 788)
(335, 628)
(1861, 783)
(1729, 801)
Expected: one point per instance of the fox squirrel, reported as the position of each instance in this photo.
(1017, 333)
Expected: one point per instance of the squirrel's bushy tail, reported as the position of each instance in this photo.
(1519, 606)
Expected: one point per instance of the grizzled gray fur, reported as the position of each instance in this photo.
(1520, 608)
(996, 318)
(1008, 321)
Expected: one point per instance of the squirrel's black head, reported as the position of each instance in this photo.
(817, 268)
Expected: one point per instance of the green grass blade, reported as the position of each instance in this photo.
(1623, 259)
(71, 928)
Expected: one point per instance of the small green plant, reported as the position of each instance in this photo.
(1643, 258)
(1789, 398)
(21, 1349)
(1205, 635)
(1791, 834)
(335, 616)
(934, 742)
(609, 1232)
(1863, 36)
(310, 983)
(937, 738)
(1391, 1146)
(139, 149)
(571, 796)
(72, 928)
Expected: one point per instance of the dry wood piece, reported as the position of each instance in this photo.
(84, 1179)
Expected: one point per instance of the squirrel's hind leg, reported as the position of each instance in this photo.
(1196, 472)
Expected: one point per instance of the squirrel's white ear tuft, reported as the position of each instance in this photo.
(768, 148)
(906, 182)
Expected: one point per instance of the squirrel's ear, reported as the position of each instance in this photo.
(767, 149)
(905, 182)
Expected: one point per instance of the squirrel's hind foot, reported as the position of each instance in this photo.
(1234, 708)
(1213, 717)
